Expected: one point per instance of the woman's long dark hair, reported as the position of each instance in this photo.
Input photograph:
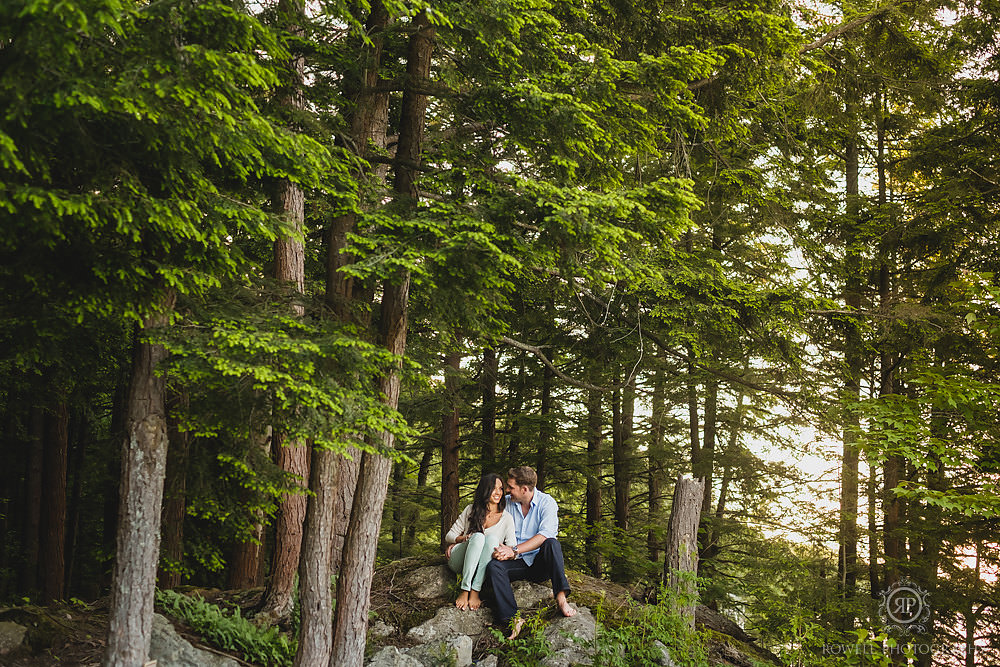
(481, 499)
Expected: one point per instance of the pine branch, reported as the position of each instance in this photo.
(538, 353)
(856, 22)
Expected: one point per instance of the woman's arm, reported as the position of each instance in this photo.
(509, 536)
(460, 527)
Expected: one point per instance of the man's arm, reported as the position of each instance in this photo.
(548, 526)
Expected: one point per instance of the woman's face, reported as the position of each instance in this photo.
(497, 492)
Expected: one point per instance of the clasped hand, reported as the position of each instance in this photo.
(503, 552)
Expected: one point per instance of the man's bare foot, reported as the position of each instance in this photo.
(564, 605)
(463, 600)
(515, 628)
(474, 601)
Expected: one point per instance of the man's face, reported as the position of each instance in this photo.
(517, 493)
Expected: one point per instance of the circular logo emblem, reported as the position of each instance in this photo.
(904, 608)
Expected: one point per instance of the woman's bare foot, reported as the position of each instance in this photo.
(463, 600)
(474, 601)
(515, 628)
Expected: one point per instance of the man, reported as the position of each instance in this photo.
(537, 556)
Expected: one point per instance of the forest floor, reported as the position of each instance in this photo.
(74, 633)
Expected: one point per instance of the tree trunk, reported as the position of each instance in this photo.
(289, 268)
(80, 436)
(853, 361)
(515, 412)
(369, 125)
(545, 428)
(595, 437)
(423, 470)
(278, 601)
(354, 584)
(348, 467)
(174, 497)
(316, 600)
(656, 466)
(33, 500)
(119, 417)
(680, 566)
(488, 453)
(450, 443)
(144, 463)
(52, 559)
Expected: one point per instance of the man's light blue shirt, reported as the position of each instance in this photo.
(542, 518)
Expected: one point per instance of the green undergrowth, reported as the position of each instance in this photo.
(635, 634)
(229, 630)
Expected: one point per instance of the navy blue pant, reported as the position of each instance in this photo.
(548, 565)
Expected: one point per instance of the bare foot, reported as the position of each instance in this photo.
(463, 600)
(564, 605)
(515, 628)
(474, 601)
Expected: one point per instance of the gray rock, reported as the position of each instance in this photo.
(455, 651)
(566, 658)
(169, 649)
(666, 660)
(390, 656)
(430, 582)
(380, 629)
(451, 622)
(571, 631)
(11, 636)
(488, 661)
(528, 594)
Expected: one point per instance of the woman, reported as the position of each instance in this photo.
(478, 530)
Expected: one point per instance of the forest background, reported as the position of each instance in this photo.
(376, 248)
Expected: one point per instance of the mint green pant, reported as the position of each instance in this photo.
(471, 558)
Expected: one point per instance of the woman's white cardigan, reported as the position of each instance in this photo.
(504, 528)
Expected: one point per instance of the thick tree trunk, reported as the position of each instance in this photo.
(144, 463)
(174, 497)
(491, 367)
(595, 438)
(52, 558)
(369, 126)
(277, 602)
(354, 584)
(358, 564)
(450, 443)
(33, 500)
(289, 268)
(853, 361)
(657, 463)
(348, 467)
(680, 566)
(316, 599)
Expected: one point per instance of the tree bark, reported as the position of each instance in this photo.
(680, 566)
(52, 558)
(545, 428)
(144, 463)
(595, 437)
(354, 584)
(278, 601)
(33, 499)
(348, 467)
(658, 415)
(488, 453)
(316, 599)
(174, 497)
(853, 361)
(450, 443)
(289, 268)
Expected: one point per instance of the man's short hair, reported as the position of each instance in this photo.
(523, 476)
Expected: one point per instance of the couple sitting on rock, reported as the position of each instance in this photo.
(506, 538)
